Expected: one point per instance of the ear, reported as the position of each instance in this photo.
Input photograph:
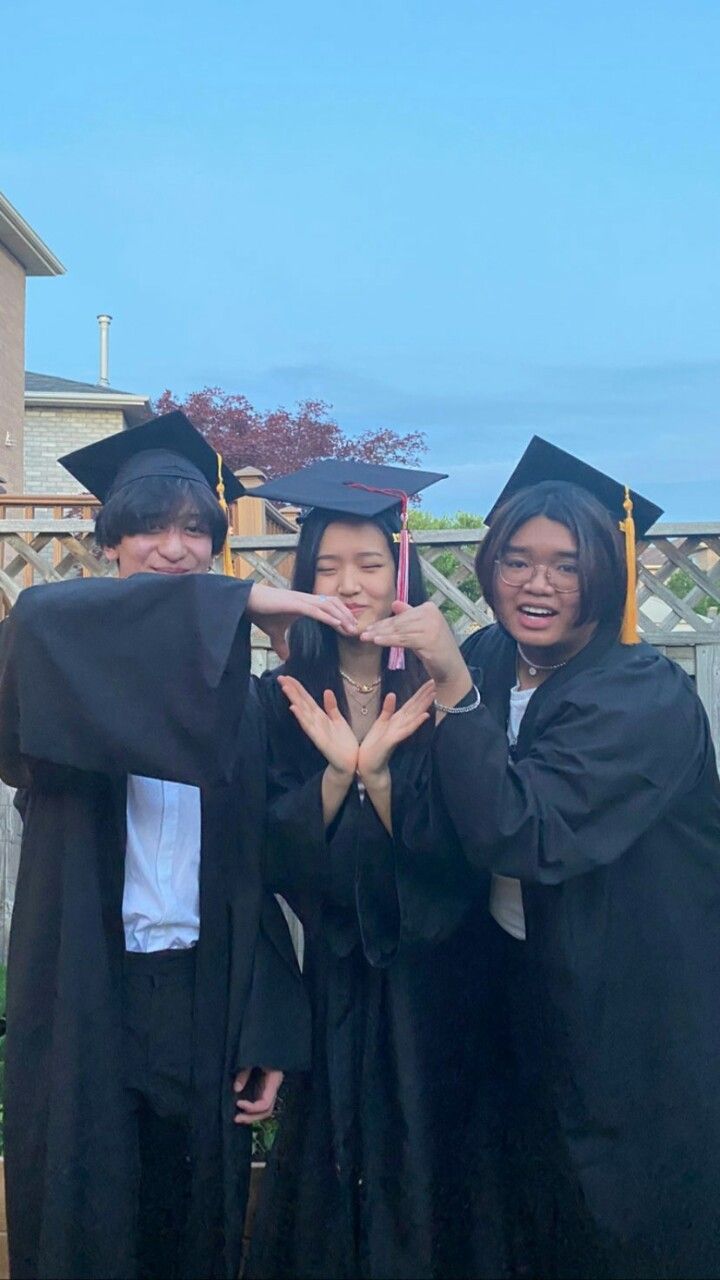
(111, 553)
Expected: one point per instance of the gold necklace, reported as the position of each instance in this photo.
(364, 706)
(361, 688)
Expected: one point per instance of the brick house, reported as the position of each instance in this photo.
(22, 254)
(42, 416)
(61, 415)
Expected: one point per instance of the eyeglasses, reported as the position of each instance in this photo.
(517, 571)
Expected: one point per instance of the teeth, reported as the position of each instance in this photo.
(537, 613)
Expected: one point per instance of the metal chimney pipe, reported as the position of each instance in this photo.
(104, 323)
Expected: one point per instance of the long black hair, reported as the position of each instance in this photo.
(314, 659)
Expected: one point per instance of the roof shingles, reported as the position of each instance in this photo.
(47, 383)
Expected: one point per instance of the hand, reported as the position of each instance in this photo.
(263, 1085)
(324, 726)
(273, 609)
(424, 630)
(391, 728)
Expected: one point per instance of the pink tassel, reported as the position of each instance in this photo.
(396, 660)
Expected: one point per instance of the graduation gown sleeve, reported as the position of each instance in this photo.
(276, 1023)
(145, 676)
(605, 762)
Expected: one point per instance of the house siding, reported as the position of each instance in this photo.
(49, 433)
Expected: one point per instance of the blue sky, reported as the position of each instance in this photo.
(478, 219)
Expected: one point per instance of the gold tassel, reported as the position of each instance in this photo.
(629, 629)
(228, 567)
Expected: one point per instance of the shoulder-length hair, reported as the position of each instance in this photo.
(600, 547)
(313, 658)
(158, 502)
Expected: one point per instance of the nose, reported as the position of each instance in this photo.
(539, 582)
(347, 581)
(170, 544)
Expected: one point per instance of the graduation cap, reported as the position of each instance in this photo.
(166, 446)
(349, 488)
(544, 463)
(360, 489)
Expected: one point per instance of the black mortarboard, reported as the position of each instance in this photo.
(165, 446)
(350, 488)
(542, 461)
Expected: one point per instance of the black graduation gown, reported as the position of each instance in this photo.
(367, 1177)
(99, 679)
(609, 813)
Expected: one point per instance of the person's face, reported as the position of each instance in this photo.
(184, 547)
(537, 614)
(355, 563)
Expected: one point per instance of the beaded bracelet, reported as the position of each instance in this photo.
(460, 711)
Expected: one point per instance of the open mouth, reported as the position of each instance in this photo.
(537, 611)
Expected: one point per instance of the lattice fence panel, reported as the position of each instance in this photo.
(678, 588)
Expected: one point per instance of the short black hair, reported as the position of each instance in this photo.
(600, 545)
(160, 501)
(313, 647)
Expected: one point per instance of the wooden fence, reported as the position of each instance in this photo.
(678, 587)
(49, 540)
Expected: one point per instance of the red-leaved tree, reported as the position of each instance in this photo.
(282, 440)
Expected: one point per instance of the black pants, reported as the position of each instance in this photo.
(158, 994)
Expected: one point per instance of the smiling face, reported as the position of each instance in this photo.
(537, 614)
(176, 549)
(355, 563)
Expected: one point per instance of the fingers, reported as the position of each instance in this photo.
(298, 697)
(294, 691)
(267, 603)
(422, 698)
(420, 701)
(303, 706)
(330, 704)
(387, 710)
(261, 1107)
(424, 694)
(241, 1079)
(408, 727)
(332, 612)
(405, 632)
(386, 639)
(407, 624)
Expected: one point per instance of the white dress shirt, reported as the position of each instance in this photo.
(161, 898)
(506, 904)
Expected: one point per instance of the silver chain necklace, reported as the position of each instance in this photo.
(534, 667)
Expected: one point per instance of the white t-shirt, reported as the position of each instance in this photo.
(506, 904)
